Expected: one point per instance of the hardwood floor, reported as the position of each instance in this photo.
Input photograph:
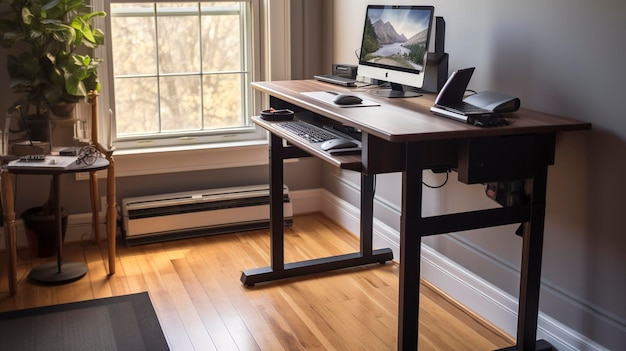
(201, 304)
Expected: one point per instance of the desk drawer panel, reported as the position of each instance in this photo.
(381, 156)
(504, 158)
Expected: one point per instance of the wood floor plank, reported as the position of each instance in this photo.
(207, 313)
(201, 304)
(156, 278)
(100, 285)
(242, 299)
(212, 283)
(313, 321)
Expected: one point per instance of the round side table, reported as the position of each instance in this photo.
(54, 272)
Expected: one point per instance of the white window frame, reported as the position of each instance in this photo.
(270, 52)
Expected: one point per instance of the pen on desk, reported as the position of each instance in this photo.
(284, 110)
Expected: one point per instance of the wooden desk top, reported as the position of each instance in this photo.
(406, 120)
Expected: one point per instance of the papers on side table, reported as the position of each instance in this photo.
(50, 162)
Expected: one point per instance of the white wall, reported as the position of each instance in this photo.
(565, 57)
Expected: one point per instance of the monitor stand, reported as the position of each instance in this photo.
(396, 91)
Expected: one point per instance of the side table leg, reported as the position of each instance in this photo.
(58, 272)
(58, 225)
(111, 213)
(93, 189)
(9, 229)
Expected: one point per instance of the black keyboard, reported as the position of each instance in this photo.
(308, 131)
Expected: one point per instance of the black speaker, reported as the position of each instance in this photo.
(436, 72)
(346, 71)
(440, 35)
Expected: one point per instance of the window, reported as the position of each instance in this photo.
(179, 72)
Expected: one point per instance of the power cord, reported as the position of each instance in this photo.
(440, 185)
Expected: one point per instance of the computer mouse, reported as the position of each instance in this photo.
(338, 143)
(347, 99)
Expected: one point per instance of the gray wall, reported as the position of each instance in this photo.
(563, 57)
(311, 38)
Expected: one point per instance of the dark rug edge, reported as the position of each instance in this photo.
(144, 310)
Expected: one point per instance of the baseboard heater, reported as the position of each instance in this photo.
(182, 215)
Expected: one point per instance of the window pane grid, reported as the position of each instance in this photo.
(180, 82)
(149, 10)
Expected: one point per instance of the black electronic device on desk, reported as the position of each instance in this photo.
(399, 60)
(481, 109)
(344, 75)
(343, 100)
(347, 99)
(338, 80)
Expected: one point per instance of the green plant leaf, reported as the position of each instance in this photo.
(27, 16)
(50, 5)
(63, 33)
(49, 32)
(51, 21)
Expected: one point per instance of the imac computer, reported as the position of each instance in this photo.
(395, 45)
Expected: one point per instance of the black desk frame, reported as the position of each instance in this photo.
(281, 270)
(532, 154)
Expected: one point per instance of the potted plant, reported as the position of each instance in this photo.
(49, 67)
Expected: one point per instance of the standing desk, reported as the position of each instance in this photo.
(401, 135)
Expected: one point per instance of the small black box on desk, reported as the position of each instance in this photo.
(70, 151)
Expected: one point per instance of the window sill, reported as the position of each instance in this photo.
(186, 158)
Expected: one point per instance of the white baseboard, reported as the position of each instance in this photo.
(79, 225)
(79, 229)
(306, 201)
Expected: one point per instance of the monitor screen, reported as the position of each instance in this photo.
(394, 46)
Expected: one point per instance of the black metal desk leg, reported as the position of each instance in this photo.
(277, 232)
(530, 279)
(367, 213)
(532, 251)
(281, 270)
(410, 250)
